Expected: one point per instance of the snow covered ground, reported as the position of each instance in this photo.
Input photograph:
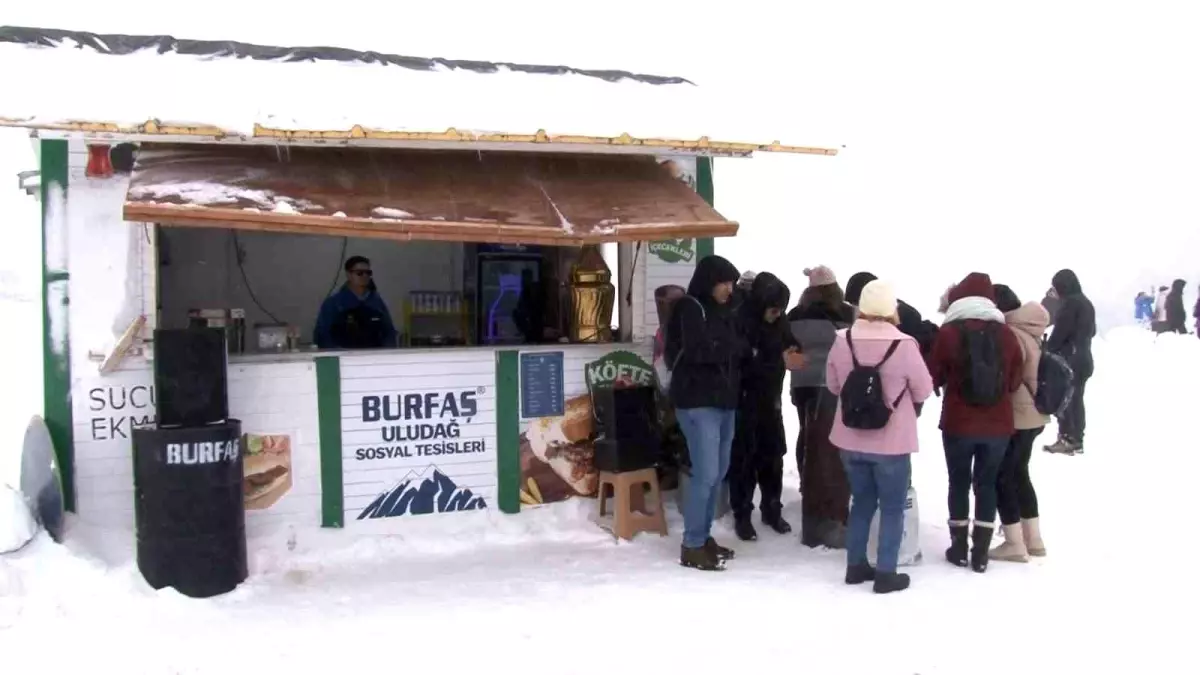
(549, 591)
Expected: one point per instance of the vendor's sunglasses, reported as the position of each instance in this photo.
(361, 273)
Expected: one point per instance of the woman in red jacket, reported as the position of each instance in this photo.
(977, 362)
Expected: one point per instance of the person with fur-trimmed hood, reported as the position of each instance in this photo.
(978, 364)
(759, 445)
(1016, 498)
(825, 504)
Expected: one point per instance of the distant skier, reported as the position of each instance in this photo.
(1143, 308)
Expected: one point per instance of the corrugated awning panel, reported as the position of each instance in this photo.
(416, 194)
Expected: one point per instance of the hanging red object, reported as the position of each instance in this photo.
(99, 163)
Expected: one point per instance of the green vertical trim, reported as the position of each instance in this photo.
(508, 432)
(329, 422)
(56, 367)
(704, 185)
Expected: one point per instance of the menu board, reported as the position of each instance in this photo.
(542, 385)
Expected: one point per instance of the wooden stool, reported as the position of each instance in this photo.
(631, 515)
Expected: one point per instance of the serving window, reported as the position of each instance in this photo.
(462, 248)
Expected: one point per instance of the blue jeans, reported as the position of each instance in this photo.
(876, 481)
(709, 434)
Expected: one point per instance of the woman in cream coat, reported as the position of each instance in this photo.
(1018, 505)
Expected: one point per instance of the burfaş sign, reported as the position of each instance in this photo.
(420, 441)
(427, 424)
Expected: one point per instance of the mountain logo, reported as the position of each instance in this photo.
(430, 492)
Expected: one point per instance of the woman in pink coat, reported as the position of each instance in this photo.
(878, 461)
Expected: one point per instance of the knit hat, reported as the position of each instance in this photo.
(877, 300)
(747, 279)
(975, 284)
(855, 285)
(820, 276)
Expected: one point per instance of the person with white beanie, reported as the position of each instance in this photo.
(877, 372)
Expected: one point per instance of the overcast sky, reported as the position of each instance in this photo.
(1014, 139)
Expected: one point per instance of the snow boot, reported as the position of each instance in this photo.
(981, 539)
(719, 550)
(890, 582)
(700, 558)
(1032, 530)
(1013, 549)
(776, 522)
(744, 529)
(957, 553)
(859, 574)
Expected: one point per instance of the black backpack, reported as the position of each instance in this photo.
(982, 365)
(863, 406)
(1055, 384)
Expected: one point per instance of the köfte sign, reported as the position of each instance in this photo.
(432, 424)
(619, 367)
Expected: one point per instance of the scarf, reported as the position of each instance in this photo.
(973, 307)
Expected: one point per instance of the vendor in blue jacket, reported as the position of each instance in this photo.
(355, 317)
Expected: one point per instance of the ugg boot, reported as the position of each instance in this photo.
(957, 553)
(1013, 548)
(1032, 531)
(981, 539)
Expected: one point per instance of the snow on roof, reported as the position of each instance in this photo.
(161, 85)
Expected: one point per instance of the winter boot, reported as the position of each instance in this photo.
(1032, 530)
(744, 529)
(981, 539)
(1060, 447)
(700, 558)
(773, 520)
(860, 573)
(957, 553)
(719, 550)
(890, 582)
(1013, 548)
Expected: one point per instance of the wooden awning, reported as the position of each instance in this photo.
(527, 198)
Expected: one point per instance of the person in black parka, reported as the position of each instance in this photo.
(759, 445)
(1074, 328)
(704, 348)
(1176, 316)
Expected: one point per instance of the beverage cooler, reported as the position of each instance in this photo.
(503, 275)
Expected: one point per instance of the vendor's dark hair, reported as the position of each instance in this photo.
(355, 260)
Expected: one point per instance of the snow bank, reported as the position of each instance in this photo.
(17, 525)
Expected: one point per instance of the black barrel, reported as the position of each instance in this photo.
(189, 508)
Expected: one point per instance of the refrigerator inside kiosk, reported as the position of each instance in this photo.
(503, 273)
